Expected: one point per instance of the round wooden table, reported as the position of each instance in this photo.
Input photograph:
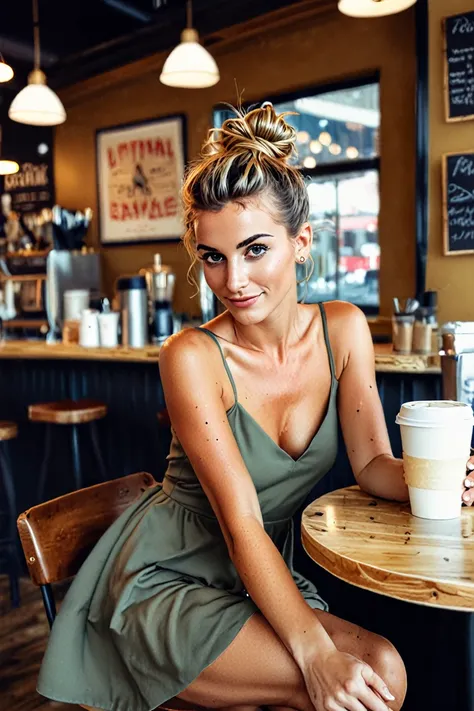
(378, 545)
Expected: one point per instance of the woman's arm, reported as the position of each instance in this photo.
(192, 374)
(360, 411)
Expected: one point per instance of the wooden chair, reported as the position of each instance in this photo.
(57, 536)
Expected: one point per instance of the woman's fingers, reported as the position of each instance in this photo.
(375, 682)
(468, 494)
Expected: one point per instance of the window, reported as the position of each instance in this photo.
(338, 152)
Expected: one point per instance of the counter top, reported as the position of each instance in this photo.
(39, 350)
(385, 360)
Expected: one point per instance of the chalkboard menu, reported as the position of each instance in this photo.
(458, 203)
(32, 188)
(459, 66)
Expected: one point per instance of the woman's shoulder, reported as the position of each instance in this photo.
(339, 314)
(346, 326)
(189, 348)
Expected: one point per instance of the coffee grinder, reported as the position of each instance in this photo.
(160, 281)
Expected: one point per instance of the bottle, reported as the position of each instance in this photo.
(134, 310)
(429, 301)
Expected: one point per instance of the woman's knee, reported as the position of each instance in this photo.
(385, 660)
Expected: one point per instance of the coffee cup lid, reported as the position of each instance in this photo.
(434, 413)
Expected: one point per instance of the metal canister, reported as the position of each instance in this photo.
(133, 301)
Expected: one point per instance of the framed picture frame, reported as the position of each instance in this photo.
(140, 169)
(457, 171)
(458, 70)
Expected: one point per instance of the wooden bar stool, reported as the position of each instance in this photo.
(72, 413)
(8, 544)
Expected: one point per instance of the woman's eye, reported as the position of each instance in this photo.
(212, 258)
(257, 250)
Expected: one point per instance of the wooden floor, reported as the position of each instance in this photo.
(23, 636)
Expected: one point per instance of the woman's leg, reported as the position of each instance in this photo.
(257, 670)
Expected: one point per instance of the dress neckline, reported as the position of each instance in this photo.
(241, 408)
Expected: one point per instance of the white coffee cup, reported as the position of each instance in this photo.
(89, 329)
(108, 328)
(75, 301)
(436, 440)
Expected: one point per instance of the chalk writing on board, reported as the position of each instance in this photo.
(460, 202)
(460, 63)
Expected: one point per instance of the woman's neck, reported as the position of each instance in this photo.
(280, 331)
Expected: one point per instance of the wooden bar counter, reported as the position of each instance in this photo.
(386, 361)
(39, 350)
(127, 381)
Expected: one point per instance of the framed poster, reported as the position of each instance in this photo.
(140, 169)
(458, 203)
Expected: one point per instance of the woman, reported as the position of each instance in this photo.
(191, 593)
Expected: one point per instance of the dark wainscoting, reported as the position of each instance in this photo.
(130, 437)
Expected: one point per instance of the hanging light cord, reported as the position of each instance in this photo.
(36, 34)
(189, 14)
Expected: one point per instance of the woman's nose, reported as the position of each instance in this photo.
(237, 276)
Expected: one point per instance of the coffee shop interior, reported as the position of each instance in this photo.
(102, 105)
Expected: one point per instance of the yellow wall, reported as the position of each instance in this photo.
(319, 49)
(451, 276)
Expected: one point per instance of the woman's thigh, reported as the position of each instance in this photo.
(257, 669)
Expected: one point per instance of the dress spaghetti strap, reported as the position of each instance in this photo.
(227, 369)
(327, 341)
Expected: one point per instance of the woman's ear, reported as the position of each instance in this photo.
(303, 242)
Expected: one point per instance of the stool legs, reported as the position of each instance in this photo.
(44, 465)
(14, 567)
(76, 457)
(98, 453)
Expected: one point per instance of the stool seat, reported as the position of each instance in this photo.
(67, 412)
(8, 430)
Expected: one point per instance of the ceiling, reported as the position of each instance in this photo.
(80, 38)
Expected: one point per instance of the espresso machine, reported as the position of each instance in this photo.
(160, 280)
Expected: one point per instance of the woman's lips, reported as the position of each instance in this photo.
(244, 303)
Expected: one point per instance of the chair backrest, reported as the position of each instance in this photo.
(58, 535)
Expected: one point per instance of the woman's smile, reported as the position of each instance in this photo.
(244, 302)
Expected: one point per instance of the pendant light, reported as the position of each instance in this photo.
(37, 104)
(6, 72)
(373, 8)
(189, 65)
(7, 167)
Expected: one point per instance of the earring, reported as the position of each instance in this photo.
(302, 259)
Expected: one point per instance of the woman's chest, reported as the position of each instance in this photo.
(288, 403)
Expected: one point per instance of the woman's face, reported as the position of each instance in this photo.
(249, 259)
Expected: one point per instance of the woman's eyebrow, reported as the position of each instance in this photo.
(245, 243)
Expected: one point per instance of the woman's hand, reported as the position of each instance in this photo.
(341, 682)
(468, 494)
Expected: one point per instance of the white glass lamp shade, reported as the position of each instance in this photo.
(6, 72)
(189, 65)
(8, 167)
(37, 104)
(373, 8)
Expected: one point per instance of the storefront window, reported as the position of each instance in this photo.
(338, 152)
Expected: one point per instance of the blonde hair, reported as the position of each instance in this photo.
(246, 158)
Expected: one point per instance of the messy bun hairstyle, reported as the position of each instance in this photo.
(245, 158)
